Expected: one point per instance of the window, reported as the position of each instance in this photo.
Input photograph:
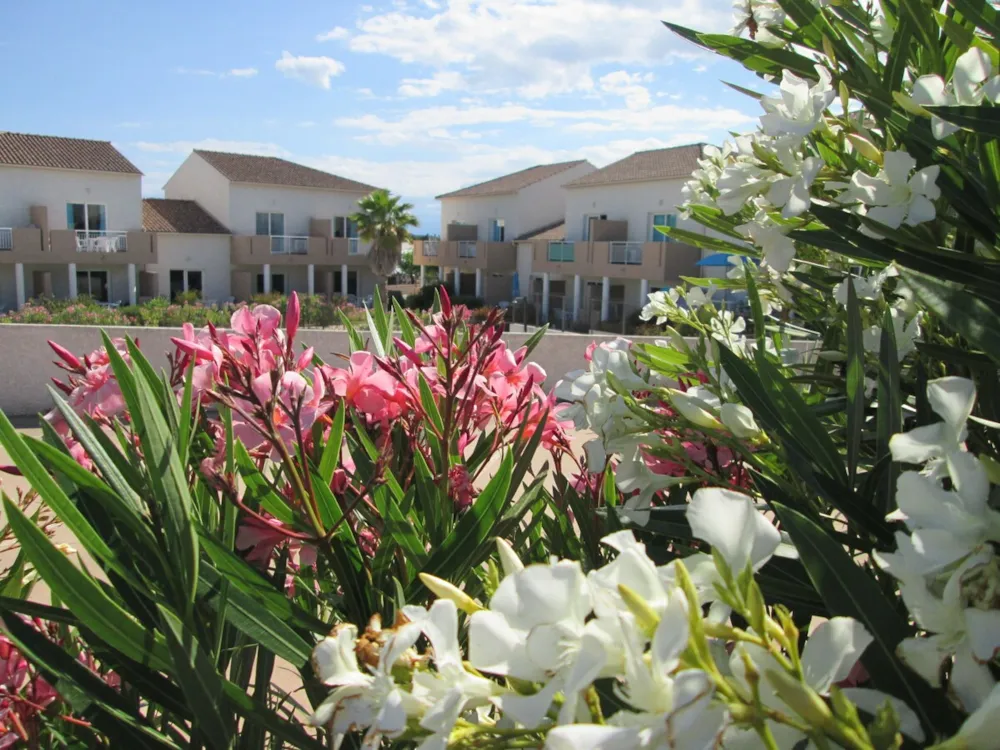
(588, 222)
(184, 281)
(94, 284)
(560, 252)
(352, 284)
(496, 230)
(270, 224)
(277, 283)
(661, 220)
(344, 227)
(86, 217)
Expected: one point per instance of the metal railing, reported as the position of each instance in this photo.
(561, 252)
(430, 248)
(354, 246)
(283, 244)
(101, 241)
(467, 249)
(625, 254)
(6, 238)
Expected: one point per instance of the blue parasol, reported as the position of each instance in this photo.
(516, 284)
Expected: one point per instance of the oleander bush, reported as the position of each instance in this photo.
(781, 535)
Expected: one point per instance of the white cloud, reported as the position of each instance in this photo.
(313, 70)
(538, 48)
(665, 119)
(212, 144)
(307, 124)
(337, 32)
(442, 81)
(700, 68)
(243, 72)
(231, 73)
(627, 85)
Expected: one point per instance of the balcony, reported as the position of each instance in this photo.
(467, 249)
(6, 238)
(468, 255)
(101, 241)
(354, 246)
(289, 245)
(429, 248)
(625, 253)
(561, 252)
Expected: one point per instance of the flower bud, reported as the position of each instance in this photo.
(865, 147)
(646, 618)
(693, 409)
(800, 698)
(739, 419)
(757, 609)
(444, 590)
(509, 560)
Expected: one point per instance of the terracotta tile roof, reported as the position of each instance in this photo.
(554, 231)
(675, 163)
(270, 170)
(185, 217)
(511, 183)
(26, 150)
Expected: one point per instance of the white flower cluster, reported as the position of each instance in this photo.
(551, 630)
(947, 565)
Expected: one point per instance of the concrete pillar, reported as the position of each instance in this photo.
(577, 293)
(19, 284)
(267, 278)
(72, 280)
(423, 275)
(343, 280)
(643, 292)
(545, 297)
(311, 279)
(133, 292)
(605, 298)
(328, 282)
(479, 282)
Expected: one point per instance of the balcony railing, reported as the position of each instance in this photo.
(467, 249)
(625, 254)
(561, 252)
(282, 244)
(6, 238)
(430, 248)
(354, 246)
(101, 241)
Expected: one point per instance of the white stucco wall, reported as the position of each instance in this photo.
(632, 202)
(299, 205)
(197, 180)
(23, 187)
(208, 253)
(479, 211)
(544, 202)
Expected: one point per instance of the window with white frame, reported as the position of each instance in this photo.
(272, 224)
(86, 217)
(661, 220)
(343, 226)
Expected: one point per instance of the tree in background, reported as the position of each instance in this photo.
(384, 220)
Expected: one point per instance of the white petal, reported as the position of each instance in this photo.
(952, 399)
(497, 648)
(929, 90)
(441, 628)
(891, 216)
(739, 419)
(925, 182)
(920, 444)
(971, 69)
(971, 482)
(982, 728)
(597, 455)
(334, 657)
(897, 166)
(832, 651)
(586, 668)
(391, 719)
(942, 129)
(983, 633)
(593, 737)
(671, 636)
(924, 656)
(543, 594)
(920, 210)
(729, 522)
(529, 710)
(870, 701)
(971, 682)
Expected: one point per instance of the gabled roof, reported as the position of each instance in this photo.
(511, 183)
(53, 152)
(178, 216)
(270, 170)
(554, 231)
(675, 163)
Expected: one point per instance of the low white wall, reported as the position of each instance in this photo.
(26, 367)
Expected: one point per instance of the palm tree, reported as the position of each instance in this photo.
(384, 221)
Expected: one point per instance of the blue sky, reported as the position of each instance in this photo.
(420, 96)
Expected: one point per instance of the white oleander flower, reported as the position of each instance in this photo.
(662, 306)
(697, 405)
(971, 81)
(537, 629)
(980, 730)
(790, 192)
(907, 334)
(360, 700)
(756, 16)
(739, 420)
(865, 287)
(777, 249)
(728, 329)
(740, 183)
(894, 196)
(952, 399)
(799, 110)
(636, 480)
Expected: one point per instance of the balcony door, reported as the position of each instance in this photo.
(497, 230)
(94, 284)
(87, 217)
(270, 224)
(661, 220)
(588, 224)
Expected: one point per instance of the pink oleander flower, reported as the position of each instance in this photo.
(460, 488)
(365, 386)
(368, 541)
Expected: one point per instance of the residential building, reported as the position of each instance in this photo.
(70, 220)
(192, 250)
(289, 223)
(479, 225)
(606, 256)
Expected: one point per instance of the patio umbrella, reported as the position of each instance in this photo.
(715, 259)
(516, 286)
